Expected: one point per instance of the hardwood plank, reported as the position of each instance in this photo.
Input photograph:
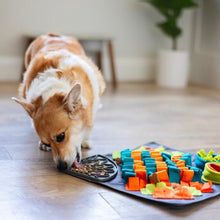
(58, 207)
(32, 188)
(4, 155)
(130, 207)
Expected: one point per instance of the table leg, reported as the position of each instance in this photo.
(111, 56)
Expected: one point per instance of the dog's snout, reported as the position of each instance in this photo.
(62, 165)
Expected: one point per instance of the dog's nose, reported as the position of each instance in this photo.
(62, 165)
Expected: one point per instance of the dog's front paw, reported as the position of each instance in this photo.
(86, 145)
(44, 147)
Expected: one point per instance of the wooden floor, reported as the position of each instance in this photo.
(32, 188)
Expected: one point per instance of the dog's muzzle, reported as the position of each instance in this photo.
(62, 165)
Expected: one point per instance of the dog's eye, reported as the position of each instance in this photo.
(60, 137)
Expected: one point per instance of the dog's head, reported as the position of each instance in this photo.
(59, 123)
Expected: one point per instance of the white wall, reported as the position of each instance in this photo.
(206, 53)
(130, 23)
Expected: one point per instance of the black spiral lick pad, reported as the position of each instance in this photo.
(96, 169)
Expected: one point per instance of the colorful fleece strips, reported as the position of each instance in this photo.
(212, 172)
(161, 174)
(202, 158)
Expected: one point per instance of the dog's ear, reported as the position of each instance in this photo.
(30, 108)
(72, 100)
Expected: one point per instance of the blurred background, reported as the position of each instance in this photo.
(129, 24)
(141, 46)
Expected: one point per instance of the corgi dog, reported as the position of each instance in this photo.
(61, 91)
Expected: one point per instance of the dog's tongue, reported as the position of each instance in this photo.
(76, 164)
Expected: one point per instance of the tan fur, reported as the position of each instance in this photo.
(52, 42)
(49, 124)
(36, 53)
(54, 117)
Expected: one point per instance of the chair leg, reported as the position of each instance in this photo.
(99, 60)
(111, 56)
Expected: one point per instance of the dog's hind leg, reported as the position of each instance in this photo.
(86, 144)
